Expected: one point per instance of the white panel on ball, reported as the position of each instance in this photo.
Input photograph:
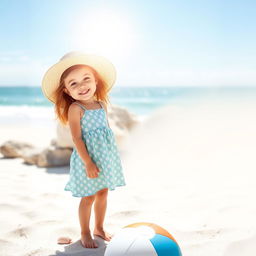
(120, 243)
(141, 247)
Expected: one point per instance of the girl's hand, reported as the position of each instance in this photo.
(91, 170)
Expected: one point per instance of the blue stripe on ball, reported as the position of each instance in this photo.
(164, 246)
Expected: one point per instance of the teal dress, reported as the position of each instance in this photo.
(101, 146)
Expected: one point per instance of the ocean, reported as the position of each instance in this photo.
(140, 100)
(27, 103)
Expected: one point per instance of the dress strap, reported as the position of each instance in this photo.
(101, 104)
(105, 112)
(83, 107)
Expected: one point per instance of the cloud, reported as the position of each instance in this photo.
(20, 69)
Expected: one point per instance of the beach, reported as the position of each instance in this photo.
(189, 169)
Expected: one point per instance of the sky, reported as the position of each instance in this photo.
(151, 43)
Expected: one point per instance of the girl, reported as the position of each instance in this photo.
(78, 85)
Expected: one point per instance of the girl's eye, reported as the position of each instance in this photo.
(86, 78)
(72, 84)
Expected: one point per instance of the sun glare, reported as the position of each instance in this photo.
(104, 32)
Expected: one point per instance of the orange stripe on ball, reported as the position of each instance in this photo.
(158, 230)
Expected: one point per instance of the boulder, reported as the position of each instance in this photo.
(13, 148)
(63, 137)
(121, 122)
(51, 157)
(31, 156)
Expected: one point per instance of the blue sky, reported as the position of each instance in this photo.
(151, 43)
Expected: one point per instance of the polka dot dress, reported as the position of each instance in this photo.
(101, 146)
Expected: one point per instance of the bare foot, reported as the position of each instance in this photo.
(87, 241)
(103, 234)
(64, 240)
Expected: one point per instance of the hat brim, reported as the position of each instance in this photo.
(104, 68)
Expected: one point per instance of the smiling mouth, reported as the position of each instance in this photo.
(84, 92)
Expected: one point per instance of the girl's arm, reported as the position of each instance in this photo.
(75, 128)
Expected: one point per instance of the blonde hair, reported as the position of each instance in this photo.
(63, 100)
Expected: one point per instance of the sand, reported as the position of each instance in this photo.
(190, 169)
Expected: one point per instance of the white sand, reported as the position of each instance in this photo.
(189, 170)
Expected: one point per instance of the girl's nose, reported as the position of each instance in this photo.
(82, 84)
(82, 87)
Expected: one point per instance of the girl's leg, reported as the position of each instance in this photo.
(84, 217)
(100, 207)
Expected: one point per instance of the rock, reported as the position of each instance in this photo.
(13, 149)
(54, 157)
(121, 122)
(31, 156)
(122, 118)
(63, 137)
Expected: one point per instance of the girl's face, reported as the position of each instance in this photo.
(80, 84)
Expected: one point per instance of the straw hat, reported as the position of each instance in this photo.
(51, 79)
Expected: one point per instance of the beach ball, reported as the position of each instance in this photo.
(142, 239)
